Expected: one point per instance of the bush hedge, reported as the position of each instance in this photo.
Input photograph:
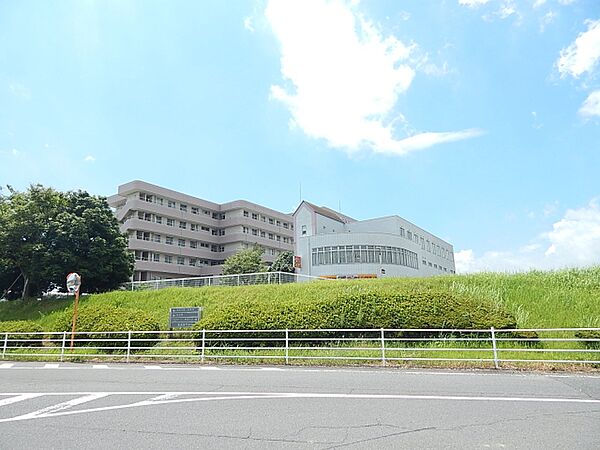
(589, 334)
(20, 326)
(363, 309)
(101, 321)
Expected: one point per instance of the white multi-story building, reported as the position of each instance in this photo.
(174, 235)
(328, 243)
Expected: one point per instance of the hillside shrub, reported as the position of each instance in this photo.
(361, 308)
(21, 326)
(100, 322)
(589, 335)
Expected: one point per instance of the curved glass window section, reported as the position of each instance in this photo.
(364, 254)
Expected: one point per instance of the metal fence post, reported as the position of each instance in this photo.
(203, 345)
(5, 345)
(238, 280)
(383, 362)
(496, 365)
(128, 344)
(62, 346)
(287, 346)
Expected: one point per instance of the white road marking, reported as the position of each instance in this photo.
(162, 398)
(51, 366)
(100, 366)
(152, 367)
(54, 409)
(6, 365)
(18, 398)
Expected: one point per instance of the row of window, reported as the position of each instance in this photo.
(170, 222)
(172, 259)
(268, 251)
(426, 244)
(170, 240)
(270, 220)
(364, 254)
(151, 198)
(266, 234)
(436, 266)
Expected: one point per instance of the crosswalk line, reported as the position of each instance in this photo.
(18, 398)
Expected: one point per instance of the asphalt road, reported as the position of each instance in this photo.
(121, 406)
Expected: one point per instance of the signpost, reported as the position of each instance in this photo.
(184, 317)
(73, 285)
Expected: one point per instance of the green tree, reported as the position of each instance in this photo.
(245, 261)
(44, 234)
(283, 263)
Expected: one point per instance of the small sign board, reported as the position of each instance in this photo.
(184, 317)
(297, 262)
(73, 282)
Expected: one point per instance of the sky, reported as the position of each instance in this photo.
(477, 120)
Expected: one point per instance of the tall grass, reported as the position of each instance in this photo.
(566, 298)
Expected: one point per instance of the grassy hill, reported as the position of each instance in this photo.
(568, 298)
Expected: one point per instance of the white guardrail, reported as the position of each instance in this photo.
(482, 348)
(244, 279)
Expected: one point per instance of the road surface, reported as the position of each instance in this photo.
(177, 406)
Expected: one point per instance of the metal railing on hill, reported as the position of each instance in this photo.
(479, 348)
(243, 279)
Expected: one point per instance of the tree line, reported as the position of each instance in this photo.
(45, 234)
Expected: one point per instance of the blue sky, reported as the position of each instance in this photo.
(477, 120)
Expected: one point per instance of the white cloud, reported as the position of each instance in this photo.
(472, 3)
(19, 90)
(248, 24)
(547, 19)
(89, 158)
(583, 54)
(566, 2)
(574, 240)
(539, 3)
(591, 105)
(344, 78)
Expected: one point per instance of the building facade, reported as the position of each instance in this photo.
(174, 235)
(328, 243)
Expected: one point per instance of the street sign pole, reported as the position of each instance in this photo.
(76, 304)
(73, 286)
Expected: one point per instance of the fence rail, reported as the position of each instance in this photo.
(482, 348)
(243, 279)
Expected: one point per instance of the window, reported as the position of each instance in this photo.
(180, 260)
(278, 238)
(246, 214)
(170, 203)
(192, 262)
(195, 210)
(205, 228)
(409, 235)
(365, 254)
(204, 245)
(271, 236)
(168, 259)
(255, 216)
(245, 230)
(285, 240)
(157, 238)
(169, 240)
(156, 257)
(422, 243)
(278, 223)
(182, 225)
(303, 230)
(193, 227)
(271, 221)
(171, 222)
(143, 235)
(401, 231)
(206, 212)
(181, 242)
(285, 225)
(254, 232)
(263, 234)
(182, 207)
(193, 244)
(158, 219)
(263, 218)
